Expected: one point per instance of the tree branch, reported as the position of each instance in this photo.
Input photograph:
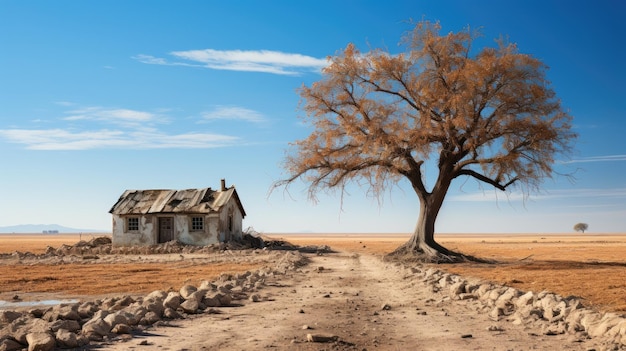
(485, 179)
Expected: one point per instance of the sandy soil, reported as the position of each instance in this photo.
(342, 297)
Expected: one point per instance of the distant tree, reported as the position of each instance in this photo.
(581, 227)
(439, 108)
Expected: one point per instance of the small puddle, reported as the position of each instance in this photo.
(13, 304)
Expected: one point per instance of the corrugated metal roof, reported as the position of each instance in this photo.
(205, 200)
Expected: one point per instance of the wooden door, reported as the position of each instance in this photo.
(166, 229)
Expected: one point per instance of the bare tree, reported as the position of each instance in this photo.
(581, 227)
(380, 118)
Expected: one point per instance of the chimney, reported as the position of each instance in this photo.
(223, 184)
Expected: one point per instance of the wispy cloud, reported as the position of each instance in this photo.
(266, 61)
(94, 127)
(546, 195)
(607, 158)
(62, 139)
(233, 113)
(118, 116)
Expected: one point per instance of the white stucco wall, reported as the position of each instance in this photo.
(236, 232)
(205, 237)
(145, 235)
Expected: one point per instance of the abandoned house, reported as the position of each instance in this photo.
(192, 216)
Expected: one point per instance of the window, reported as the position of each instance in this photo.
(132, 224)
(197, 223)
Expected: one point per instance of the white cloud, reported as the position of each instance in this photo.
(117, 116)
(61, 139)
(233, 113)
(546, 195)
(607, 158)
(265, 61)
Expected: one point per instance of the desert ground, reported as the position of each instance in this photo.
(351, 296)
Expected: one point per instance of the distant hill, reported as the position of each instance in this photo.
(40, 228)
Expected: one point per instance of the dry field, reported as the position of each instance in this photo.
(591, 266)
(44, 280)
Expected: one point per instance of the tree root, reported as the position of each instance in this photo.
(407, 255)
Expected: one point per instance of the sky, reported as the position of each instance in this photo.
(97, 97)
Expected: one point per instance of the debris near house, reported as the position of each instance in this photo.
(91, 249)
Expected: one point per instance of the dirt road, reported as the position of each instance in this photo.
(357, 303)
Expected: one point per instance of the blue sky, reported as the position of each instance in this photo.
(101, 96)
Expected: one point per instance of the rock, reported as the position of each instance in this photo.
(255, 298)
(321, 338)
(156, 295)
(524, 300)
(154, 305)
(385, 307)
(66, 339)
(190, 306)
(149, 318)
(7, 344)
(554, 329)
(7, 317)
(121, 317)
(122, 303)
(19, 328)
(171, 313)
(172, 300)
(62, 312)
(40, 341)
(212, 302)
(457, 288)
(87, 309)
(224, 299)
(96, 328)
(38, 312)
(69, 325)
(187, 290)
(121, 329)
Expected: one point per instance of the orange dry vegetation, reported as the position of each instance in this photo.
(589, 266)
(98, 278)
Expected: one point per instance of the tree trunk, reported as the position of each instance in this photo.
(422, 244)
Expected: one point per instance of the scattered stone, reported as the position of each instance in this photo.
(66, 339)
(385, 307)
(190, 306)
(7, 344)
(187, 290)
(321, 338)
(171, 313)
(40, 341)
(121, 329)
(494, 328)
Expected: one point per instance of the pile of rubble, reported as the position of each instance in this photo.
(103, 246)
(549, 312)
(78, 324)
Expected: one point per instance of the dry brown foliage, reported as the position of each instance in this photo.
(378, 117)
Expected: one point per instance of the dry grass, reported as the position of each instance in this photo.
(590, 266)
(93, 278)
